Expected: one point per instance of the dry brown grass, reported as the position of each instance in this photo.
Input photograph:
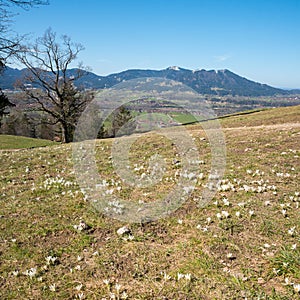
(37, 221)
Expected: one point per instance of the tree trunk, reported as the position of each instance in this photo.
(67, 132)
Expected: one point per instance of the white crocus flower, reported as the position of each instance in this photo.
(50, 259)
(291, 231)
(188, 276)
(238, 214)
(296, 287)
(124, 295)
(118, 287)
(225, 213)
(106, 281)
(52, 287)
(130, 237)
(287, 281)
(208, 220)
(166, 276)
(31, 272)
(226, 202)
(80, 296)
(112, 296)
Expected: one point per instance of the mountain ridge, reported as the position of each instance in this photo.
(211, 82)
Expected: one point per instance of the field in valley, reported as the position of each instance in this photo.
(245, 244)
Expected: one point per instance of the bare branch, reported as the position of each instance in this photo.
(47, 61)
(25, 4)
(9, 42)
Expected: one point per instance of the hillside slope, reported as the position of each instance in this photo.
(21, 142)
(244, 244)
(211, 82)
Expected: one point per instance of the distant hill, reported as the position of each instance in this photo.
(221, 82)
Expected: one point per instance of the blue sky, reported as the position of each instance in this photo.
(259, 40)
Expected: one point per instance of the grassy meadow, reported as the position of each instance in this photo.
(245, 244)
(20, 142)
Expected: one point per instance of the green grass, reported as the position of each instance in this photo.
(238, 257)
(20, 142)
(183, 118)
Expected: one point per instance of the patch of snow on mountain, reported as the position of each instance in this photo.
(174, 68)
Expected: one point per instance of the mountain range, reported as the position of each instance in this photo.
(211, 82)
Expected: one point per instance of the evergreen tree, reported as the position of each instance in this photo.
(4, 104)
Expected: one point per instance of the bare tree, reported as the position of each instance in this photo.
(9, 42)
(51, 85)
